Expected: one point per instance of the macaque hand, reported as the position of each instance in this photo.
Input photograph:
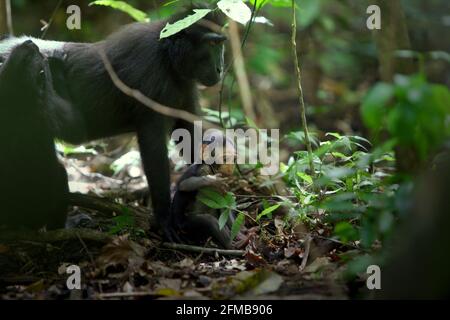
(217, 181)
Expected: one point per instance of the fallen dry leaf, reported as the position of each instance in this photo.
(122, 252)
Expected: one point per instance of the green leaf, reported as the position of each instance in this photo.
(212, 199)
(308, 12)
(373, 110)
(122, 222)
(136, 14)
(346, 232)
(340, 155)
(210, 203)
(346, 142)
(338, 172)
(69, 150)
(361, 139)
(224, 218)
(305, 177)
(174, 28)
(333, 134)
(342, 202)
(251, 123)
(275, 3)
(230, 200)
(300, 136)
(236, 10)
(267, 211)
(237, 225)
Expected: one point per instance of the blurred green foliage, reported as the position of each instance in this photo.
(414, 112)
(136, 14)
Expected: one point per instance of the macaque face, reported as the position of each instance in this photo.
(209, 59)
(226, 169)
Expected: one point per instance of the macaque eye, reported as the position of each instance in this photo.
(213, 39)
(41, 78)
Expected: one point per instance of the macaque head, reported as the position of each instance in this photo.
(218, 150)
(26, 54)
(209, 58)
(197, 53)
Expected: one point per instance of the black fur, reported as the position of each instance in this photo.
(33, 184)
(165, 70)
(199, 226)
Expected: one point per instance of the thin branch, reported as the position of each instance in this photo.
(142, 218)
(239, 69)
(345, 244)
(9, 22)
(263, 197)
(146, 101)
(300, 89)
(178, 246)
(227, 69)
(126, 294)
(101, 204)
(87, 250)
(214, 27)
(47, 26)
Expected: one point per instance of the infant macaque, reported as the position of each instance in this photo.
(196, 221)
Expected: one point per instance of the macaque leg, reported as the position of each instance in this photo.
(203, 226)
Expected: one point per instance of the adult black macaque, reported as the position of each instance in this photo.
(33, 184)
(165, 70)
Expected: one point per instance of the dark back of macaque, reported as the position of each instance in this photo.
(33, 184)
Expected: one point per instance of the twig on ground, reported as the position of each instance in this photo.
(87, 250)
(143, 218)
(308, 241)
(178, 246)
(125, 294)
(56, 235)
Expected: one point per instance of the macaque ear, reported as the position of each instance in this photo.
(214, 38)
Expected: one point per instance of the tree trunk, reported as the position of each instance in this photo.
(392, 36)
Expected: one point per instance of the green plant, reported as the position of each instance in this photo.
(123, 223)
(414, 112)
(352, 191)
(227, 204)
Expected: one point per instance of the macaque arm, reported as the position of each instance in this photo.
(196, 183)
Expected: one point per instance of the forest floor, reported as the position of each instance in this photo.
(119, 260)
